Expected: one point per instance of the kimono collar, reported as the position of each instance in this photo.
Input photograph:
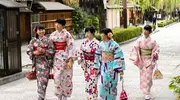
(108, 41)
(63, 30)
(40, 38)
(147, 37)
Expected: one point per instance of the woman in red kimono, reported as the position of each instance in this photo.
(41, 52)
(86, 60)
(63, 60)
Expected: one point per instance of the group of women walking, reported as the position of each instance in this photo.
(102, 61)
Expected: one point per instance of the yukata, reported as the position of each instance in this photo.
(64, 44)
(144, 55)
(109, 60)
(42, 63)
(86, 56)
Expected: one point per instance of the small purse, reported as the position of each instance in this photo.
(157, 73)
(31, 75)
(123, 95)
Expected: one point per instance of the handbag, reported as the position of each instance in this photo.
(123, 95)
(31, 75)
(157, 73)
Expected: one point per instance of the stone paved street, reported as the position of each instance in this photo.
(169, 40)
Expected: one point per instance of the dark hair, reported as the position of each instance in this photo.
(38, 27)
(106, 31)
(148, 28)
(91, 29)
(61, 21)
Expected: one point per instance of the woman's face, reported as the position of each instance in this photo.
(103, 36)
(88, 35)
(41, 32)
(146, 33)
(58, 26)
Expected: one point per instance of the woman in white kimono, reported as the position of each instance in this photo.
(63, 60)
(86, 60)
(144, 55)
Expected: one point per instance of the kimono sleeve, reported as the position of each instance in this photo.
(97, 60)
(80, 53)
(135, 55)
(30, 48)
(119, 63)
(70, 46)
(155, 51)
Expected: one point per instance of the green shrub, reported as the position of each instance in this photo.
(122, 34)
(167, 22)
(175, 86)
(153, 27)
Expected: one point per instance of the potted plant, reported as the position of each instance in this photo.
(175, 86)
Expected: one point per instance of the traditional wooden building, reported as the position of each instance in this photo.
(25, 20)
(10, 43)
(47, 12)
(44, 12)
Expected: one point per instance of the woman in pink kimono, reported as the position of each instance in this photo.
(41, 52)
(63, 60)
(144, 55)
(86, 60)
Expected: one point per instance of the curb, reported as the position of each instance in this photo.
(135, 38)
(13, 77)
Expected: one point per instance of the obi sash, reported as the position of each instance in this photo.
(107, 56)
(145, 52)
(42, 48)
(60, 45)
(89, 55)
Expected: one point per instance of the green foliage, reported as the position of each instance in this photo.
(175, 86)
(122, 34)
(80, 20)
(153, 27)
(98, 36)
(167, 22)
(93, 21)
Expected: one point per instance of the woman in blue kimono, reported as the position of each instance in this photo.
(109, 61)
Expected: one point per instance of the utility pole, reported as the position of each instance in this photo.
(125, 13)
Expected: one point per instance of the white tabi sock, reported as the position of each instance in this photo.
(147, 96)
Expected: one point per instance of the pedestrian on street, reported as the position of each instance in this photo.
(63, 60)
(41, 52)
(144, 55)
(109, 60)
(86, 60)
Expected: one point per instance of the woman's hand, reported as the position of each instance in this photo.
(79, 62)
(70, 63)
(36, 52)
(121, 72)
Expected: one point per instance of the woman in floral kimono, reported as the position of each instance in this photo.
(144, 55)
(109, 60)
(63, 60)
(86, 59)
(41, 52)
